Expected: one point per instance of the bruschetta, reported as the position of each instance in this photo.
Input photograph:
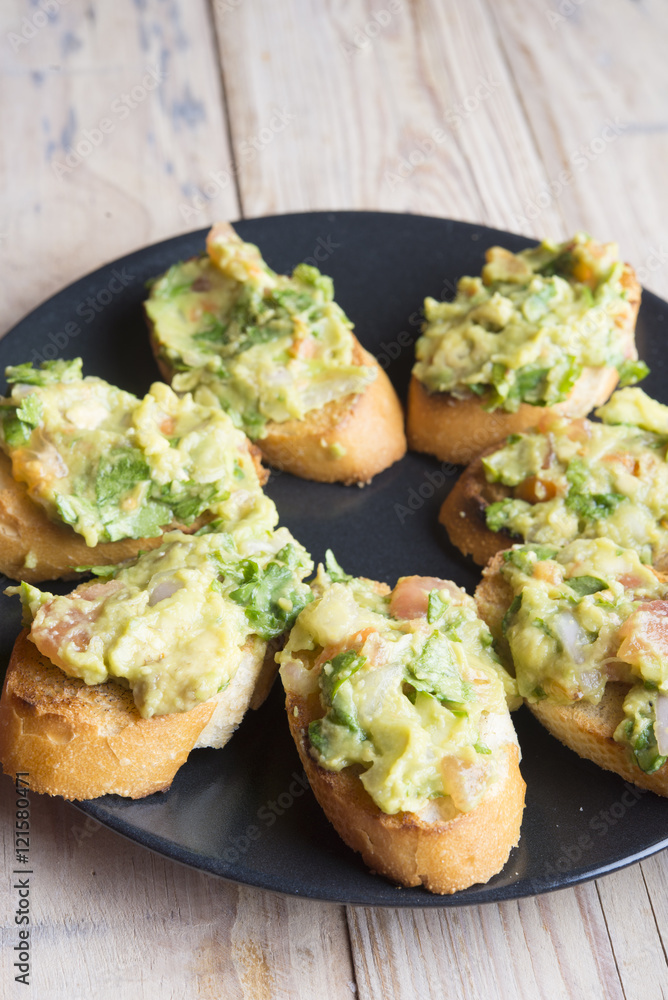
(398, 707)
(110, 687)
(279, 355)
(550, 327)
(90, 474)
(586, 627)
(567, 479)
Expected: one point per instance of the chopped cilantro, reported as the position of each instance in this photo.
(334, 571)
(515, 606)
(48, 373)
(583, 585)
(631, 372)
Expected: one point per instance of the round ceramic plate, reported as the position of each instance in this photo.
(245, 812)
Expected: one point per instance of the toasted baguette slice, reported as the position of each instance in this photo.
(81, 741)
(463, 514)
(441, 846)
(444, 851)
(33, 548)
(458, 430)
(589, 729)
(349, 440)
(585, 728)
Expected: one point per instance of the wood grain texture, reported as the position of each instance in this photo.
(593, 83)
(113, 920)
(137, 182)
(392, 105)
(552, 947)
(462, 110)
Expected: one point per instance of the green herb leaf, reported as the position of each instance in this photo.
(272, 598)
(515, 606)
(334, 570)
(48, 373)
(583, 585)
(497, 514)
(631, 372)
(436, 672)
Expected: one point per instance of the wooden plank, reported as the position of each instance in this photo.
(113, 920)
(639, 951)
(113, 121)
(110, 918)
(385, 105)
(592, 83)
(424, 112)
(554, 947)
(655, 872)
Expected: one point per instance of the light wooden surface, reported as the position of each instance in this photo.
(540, 117)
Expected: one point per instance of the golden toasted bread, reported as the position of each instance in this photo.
(349, 440)
(586, 728)
(443, 850)
(80, 741)
(458, 430)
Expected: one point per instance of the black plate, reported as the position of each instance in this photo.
(244, 813)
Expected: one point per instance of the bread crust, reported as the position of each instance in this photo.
(457, 430)
(81, 741)
(463, 514)
(443, 854)
(368, 427)
(585, 728)
(589, 730)
(53, 548)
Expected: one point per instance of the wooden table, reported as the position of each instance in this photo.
(540, 117)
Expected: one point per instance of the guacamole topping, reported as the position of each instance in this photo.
(265, 346)
(585, 615)
(524, 331)
(171, 624)
(419, 702)
(572, 479)
(114, 466)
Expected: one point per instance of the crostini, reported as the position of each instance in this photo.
(279, 355)
(398, 707)
(90, 475)
(110, 687)
(552, 326)
(587, 629)
(568, 479)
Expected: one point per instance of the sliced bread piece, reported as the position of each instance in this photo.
(456, 426)
(422, 807)
(587, 727)
(279, 354)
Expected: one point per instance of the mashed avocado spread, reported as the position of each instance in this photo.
(265, 346)
(583, 479)
(585, 615)
(418, 703)
(524, 331)
(114, 466)
(171, 625)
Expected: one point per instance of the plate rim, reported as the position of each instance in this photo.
(417, 897)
